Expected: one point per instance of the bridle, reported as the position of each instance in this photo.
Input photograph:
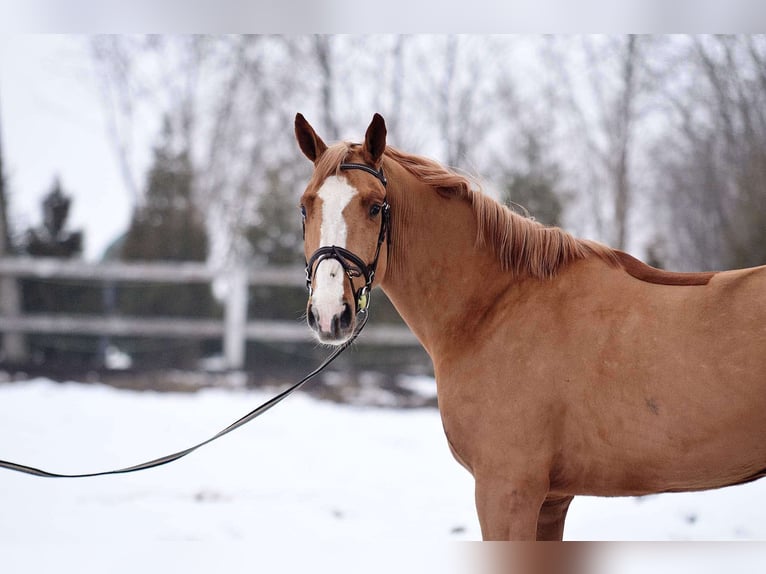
(353, 265)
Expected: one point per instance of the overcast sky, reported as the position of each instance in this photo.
(54, 124)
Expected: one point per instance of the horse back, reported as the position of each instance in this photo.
(675, 382)
(630, 386)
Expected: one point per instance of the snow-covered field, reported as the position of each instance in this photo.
(316, 473)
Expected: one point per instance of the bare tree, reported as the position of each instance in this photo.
(713, 156)
(615, 96)
(397, 85)
(323, 48)
(447, 123)
(229, 100)
(606, 92)
(464, 116)
(13, 344)
(232, 99)
(622, 135)
(5, 232)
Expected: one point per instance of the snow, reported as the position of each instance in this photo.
(316, 472)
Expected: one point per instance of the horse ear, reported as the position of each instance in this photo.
(375, 140)
(310, 143)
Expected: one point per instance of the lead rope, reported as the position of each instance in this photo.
(362, 304)
(255, 413)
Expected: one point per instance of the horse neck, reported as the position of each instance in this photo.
(436, 277)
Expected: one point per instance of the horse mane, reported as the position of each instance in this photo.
(329, 162)
(523, 246)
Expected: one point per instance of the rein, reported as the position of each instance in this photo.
(255, 413)
(352, 264)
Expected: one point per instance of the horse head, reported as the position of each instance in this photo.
(345, 223)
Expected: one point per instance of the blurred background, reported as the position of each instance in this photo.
(150, 239)
(124, 158)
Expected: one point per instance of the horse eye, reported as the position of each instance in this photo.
(374, 210)
(303, 211)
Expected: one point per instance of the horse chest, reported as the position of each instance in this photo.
(491, 419)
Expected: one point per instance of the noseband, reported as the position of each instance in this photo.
(352, 264)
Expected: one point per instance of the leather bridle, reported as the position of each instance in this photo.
(353, 265)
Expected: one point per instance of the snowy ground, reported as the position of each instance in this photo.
(308, 471)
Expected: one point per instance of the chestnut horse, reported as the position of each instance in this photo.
(562, 366)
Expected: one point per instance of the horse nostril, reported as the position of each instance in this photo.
(335, 327)
(312, 318)
(345, 317)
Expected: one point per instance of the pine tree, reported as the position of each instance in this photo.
(275, 237)
(167, 226)
(12, 345)
(535, 188)
(53, 239)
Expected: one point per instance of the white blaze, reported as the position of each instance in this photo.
(327, 297)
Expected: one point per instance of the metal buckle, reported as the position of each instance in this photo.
(363, 298)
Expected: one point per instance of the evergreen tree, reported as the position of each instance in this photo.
(53, 239)
(167, 226)
(275, 237)
(535, 187)
(5, 233)
(12, 345)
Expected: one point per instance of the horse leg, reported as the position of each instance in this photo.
(508, 509)
(553, 513)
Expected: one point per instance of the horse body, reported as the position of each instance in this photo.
(648, 398)
(563, 367)
(593, 382)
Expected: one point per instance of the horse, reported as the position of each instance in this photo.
(563, 367)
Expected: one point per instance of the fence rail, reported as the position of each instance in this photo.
(235, 329)
(143, 271)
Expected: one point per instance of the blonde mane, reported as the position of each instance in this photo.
(329, 162)
(523, 246)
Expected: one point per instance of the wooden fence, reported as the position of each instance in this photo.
(235, 329)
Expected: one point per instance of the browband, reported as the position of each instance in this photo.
(377, 173)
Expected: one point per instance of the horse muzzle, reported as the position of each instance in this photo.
(331, 324)
(334, 300)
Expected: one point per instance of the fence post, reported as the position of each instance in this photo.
(14, 347)
(235, 319)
